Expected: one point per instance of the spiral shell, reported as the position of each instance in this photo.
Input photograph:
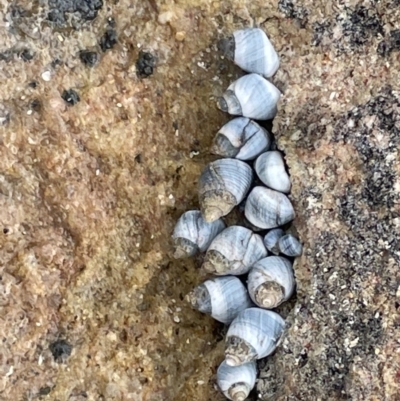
(266, 208)
(234, 251)
(223, 184)
(270, 168)
(271, 282)
(250, 96)
(271, 240)
(221, 297)
(242, 139)
(252, 51)
(290, 245)
(254, 334)
(236, 382)
(193, 234)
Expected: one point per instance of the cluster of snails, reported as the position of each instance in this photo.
(254, 330)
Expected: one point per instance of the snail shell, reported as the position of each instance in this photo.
(266, 208)
(271, 240)
(221, 297)
(236, 382)
(251, 96)
(271, 282)
(223, 184)
(290, 245)
(252, 51)
(271, 170)
(253, 335)
(241, 138)
(193, 234)
(234, 251)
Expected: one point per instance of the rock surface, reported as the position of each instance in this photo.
(91, 301)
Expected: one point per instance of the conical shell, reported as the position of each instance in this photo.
(234, 251)
(271, 240)
(254, 334)
(290, 245)
(193, 234)
(271, 282)
(251, 96)
(266, 208)
(221, 297)
(252, 51)
(223, 184)
(242, 139)
(236, 382)
(270, 168)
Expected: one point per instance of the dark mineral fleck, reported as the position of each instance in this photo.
(145, 64)
(86, 9)
(44, 390)
(35, 105)
(291, 10)
(33, 84)
(26, 55)
(60, 350)
(108, 40)
(71, 97)
(89, 58)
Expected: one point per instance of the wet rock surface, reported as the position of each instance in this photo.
(89, 196)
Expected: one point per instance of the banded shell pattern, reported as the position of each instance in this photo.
(236, 382)
(223, 184)
(252, 51)
(221, 297)
(251, 96)
(234, 251)
(254, 334)
(242, 139)
(271, 282)
(266, 208)
(193, 234)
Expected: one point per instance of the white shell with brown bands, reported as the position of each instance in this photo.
(254, 334)
(251, 96)
(236, 382)
(242, 139)
(266, 208)
(221, 297)
(234, 251)
(223, 184)
(193, 234)
(271, 281)
(270, 168)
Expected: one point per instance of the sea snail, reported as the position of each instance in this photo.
(254, 334)
(234, 251)
(251, 96)
(266, 208)
(290, 245)
(251, 50)
(271, 170)
(236, 382)
(277, 242)
(223, 184)
(193, 234)
(271, 240)
(242, 139)
(221, 297)
(271, 281)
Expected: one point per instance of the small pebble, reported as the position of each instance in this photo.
(46, 76)
(145, 64)
(89, 58)
(71, 97)
(108, 40)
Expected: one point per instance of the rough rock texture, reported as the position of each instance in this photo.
(91, 303)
